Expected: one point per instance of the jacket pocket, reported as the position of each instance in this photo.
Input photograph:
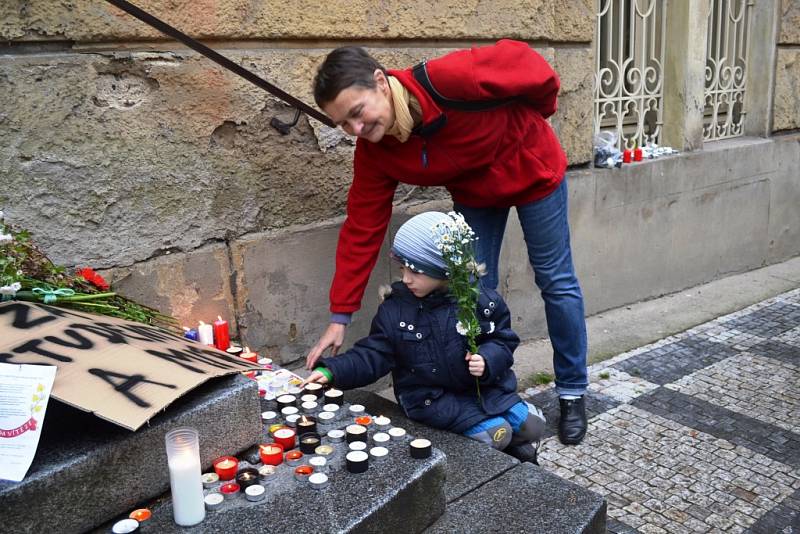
(432, 406)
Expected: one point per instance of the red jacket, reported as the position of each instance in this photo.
(502, 157)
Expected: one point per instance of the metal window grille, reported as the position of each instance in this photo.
(628, 92)
(726, 68)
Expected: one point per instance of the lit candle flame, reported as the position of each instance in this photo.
(219, 318)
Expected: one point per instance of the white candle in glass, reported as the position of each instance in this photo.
(185, 477)
(205, 333)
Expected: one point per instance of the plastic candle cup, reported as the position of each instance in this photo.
(205, 333)
(185, 476)
(251, 357)
(637, 154)
(382, 422)
(285, 437)
(222, 337)
(271, 454)
(225, 467)
(626, 156)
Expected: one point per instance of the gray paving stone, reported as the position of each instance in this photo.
(769, 321)
(525, 499)
(87, 470)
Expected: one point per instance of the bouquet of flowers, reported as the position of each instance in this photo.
(26, 273)
(454, 238)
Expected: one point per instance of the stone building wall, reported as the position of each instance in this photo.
(787, 70)
(125, 151)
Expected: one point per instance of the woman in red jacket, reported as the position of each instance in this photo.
(488, 159)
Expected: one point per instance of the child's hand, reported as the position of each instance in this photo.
(476, 365)
(317, 377)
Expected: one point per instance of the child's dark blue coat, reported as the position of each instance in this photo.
(416, 339)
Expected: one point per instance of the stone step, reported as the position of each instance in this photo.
(88, 471)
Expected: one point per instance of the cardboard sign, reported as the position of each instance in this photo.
(119, 370)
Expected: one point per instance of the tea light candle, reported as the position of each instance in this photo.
(308, 397)
(331, 408)
(205, 333)
(285, 437)
(234, 350)
(364, 420)
(318, 481)
(420, 448)
(378, 453)
(326, 418)
(247, 477)
(286, 400)
(306, 424)
(314, 389)
(357, 461)
(319, 463)
(382, 422)
(251, 357)
(397, 433)
(213, 500)
(289, 410)
(266, 363)
(357, 446)
(357, 410)
(336, 435)
(269, 417)
(309, 407)
(295, 390)
(225, 467)
(222, 339)
(141, 515)
(291, 420)
(381, 438)
(125, 526)
(294, 458)
(230, 488)
(209, 479)
(267, 472)
(302, 473)
(324, 450)
(334, 396)
(309, 442)
(255, 493)
(271, 454)
(190, 333)
(356, 433)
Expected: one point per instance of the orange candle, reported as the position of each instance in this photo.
(141, 515)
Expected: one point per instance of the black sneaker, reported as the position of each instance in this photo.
(572, 425)
(527, 452)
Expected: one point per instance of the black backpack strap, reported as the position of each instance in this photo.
(420, 72)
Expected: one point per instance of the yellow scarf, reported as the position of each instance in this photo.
(404, 105)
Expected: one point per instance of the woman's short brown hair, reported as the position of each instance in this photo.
(344, 67)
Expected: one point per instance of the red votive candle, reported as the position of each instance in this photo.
(271, 454)
(294, 457)
(626, 156)
(364, 420)
(251, 357)
(222, 338)
(285, 437)
(229, 488)
(226, 467)
(637, 154)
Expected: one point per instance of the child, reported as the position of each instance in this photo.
(436, 380)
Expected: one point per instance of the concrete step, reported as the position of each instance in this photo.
(87, 471)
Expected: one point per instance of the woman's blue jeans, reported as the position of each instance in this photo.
(546, 230)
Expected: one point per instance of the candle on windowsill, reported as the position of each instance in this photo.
(222, 336)
(271, 454)
(285, 437)
(357, 461)
(294, 458)
(225, 467)
(247, 477)
(382, 422)
(205, 333)
(420, 448)
(190, 333)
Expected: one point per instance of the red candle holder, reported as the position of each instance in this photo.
(294, 457)
(637, 154)
(626, 156)
(302, 473)
(222, 338)
(271, 454)
(364, 420)
(251, 357)
(226, 467)
(229, 488)
(285, 437)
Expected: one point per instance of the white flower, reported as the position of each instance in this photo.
(5, 238)
(461, 329)
(10, 289)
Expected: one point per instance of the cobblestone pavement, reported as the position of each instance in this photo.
(699, 432)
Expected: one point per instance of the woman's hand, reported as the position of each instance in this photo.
(315, 377)
(333, 337)
(476, 364)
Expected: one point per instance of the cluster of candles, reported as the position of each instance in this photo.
(216, 334)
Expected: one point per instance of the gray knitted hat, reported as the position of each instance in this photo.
(414, 245)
